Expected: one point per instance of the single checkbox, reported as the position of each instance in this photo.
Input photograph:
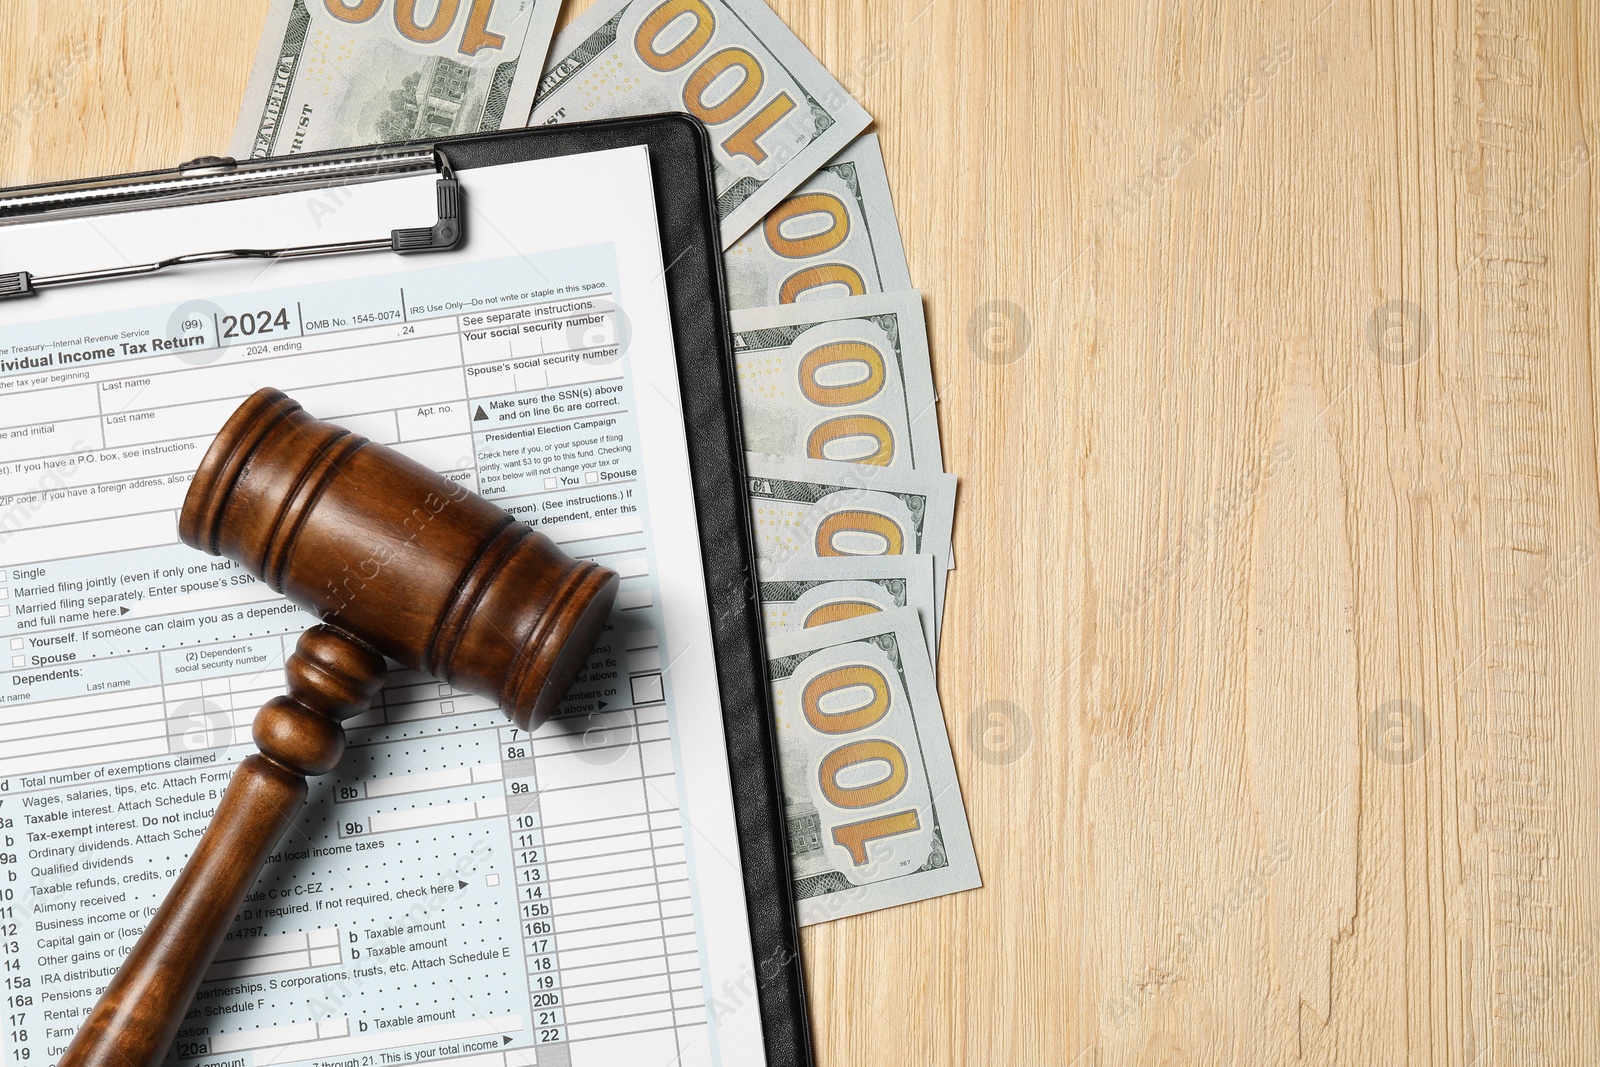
(647, 689)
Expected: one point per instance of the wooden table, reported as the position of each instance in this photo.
(1265, 339)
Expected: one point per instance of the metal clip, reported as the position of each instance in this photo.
(213, 178)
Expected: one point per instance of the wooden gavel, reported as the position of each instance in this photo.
(398, 562)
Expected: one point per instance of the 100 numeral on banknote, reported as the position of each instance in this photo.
(845, 380)
(774, 113)
(874, 810)
(836, 236)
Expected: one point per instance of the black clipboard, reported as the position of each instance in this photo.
(681, 168)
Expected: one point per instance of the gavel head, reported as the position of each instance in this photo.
(422, 569)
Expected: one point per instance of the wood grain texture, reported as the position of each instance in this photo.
(1304, 737)
(1184, 209)
(369, 540)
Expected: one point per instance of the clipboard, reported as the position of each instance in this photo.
(681, 166)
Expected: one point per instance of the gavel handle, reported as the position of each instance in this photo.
(331, 677)
(138, 1015)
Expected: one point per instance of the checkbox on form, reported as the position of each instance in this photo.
(647, 689)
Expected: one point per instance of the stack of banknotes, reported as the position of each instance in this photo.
(851, 505)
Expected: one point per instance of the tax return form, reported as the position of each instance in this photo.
(457, 890)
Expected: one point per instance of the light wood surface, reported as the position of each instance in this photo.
(1270, 662)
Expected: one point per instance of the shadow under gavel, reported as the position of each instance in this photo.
(398, 562)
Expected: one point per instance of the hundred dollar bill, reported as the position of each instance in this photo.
(834, 236)
(871, 799)
(806, 593)
(812, 508)
(846, 380)
(774, 113)
(338, 73)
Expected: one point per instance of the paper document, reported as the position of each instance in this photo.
(457, 889)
